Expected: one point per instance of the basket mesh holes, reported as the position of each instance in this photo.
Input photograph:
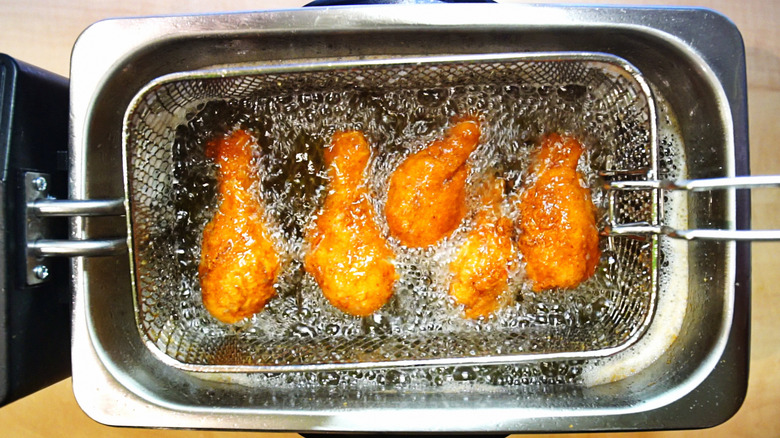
(400, 108)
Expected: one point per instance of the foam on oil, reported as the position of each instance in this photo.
(673, 270)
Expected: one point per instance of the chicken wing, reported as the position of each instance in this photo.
(238, 265)
(349, 257)
(558, 235)
(481, 267)
(426, 199)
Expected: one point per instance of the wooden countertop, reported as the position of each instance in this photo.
(42, 33)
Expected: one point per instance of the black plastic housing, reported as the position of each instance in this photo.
(34, 320)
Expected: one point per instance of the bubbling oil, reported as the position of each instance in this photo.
(420, 320)
(672, 295)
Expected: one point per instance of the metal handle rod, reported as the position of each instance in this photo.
(644, 229)
(743, 235)
(75, 248)
(735, 182)
(91, 207)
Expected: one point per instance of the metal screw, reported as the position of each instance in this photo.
(40, 183)
(41, 272)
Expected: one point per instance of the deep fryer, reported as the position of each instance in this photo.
(657, 45)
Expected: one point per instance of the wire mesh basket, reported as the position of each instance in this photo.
(400, 105)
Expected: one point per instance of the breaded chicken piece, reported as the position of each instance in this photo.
(426, 199)
(481, 267)
(238, 265)
(558, 235)
(349, 257)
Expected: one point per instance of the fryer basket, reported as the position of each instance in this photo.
(293, 109)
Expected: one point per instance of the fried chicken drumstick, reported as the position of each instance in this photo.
(481, 267)
(558, 235)
(349, 257)
(239, 264)
(426, 199)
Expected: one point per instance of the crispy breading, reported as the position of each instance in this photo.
(481, 267)
(239, 263)
(350, 259)
(558, 235)
(426, 199)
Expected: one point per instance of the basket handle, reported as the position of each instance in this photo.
(37, 227)
(66, 207)
(697, 185)
(645, 229)
(694, 185)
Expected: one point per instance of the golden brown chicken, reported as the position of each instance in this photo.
(426, 199)
(481, 267)
(349, 258)
(558, 235)
(238, 265)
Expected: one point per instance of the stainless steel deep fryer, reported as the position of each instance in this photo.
(701, 371)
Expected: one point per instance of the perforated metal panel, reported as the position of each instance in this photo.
(400, 105)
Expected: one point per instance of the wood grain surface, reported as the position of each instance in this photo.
(42, 32)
